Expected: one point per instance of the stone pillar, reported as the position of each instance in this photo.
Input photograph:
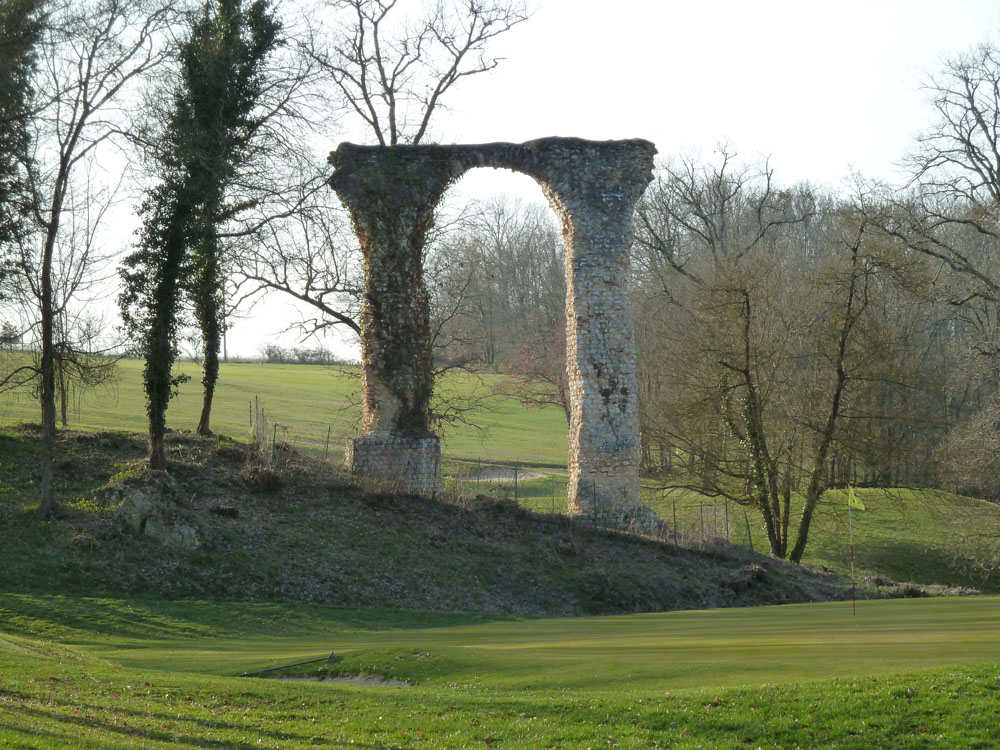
(391, 196)
(595, 200)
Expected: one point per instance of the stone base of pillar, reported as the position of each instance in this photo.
(408, 463)
(612, 502)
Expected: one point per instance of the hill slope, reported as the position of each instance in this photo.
(222, 526)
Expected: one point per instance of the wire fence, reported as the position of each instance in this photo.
(683, 517)
(273, 439)
(677, 516)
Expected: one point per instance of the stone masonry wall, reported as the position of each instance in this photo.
(593, 187)
(411, 464)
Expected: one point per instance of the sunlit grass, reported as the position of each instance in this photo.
(309, 404)
(904, 673)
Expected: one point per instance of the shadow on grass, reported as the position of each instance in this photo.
(907, 562)
(75, 618)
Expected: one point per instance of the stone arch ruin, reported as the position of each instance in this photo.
(593, 187)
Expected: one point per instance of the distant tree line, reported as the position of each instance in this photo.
(273, 354)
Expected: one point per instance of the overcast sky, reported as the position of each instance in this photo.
(820, 88)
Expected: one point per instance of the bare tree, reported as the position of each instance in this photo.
(498, 281)
(951, 209)
(92, 56)
(83, 353)
(949, 214)
(393, 72)
(754, 328)
(310, 255)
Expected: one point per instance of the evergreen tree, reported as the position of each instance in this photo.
(20, 31)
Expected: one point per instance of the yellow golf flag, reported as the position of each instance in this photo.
(852, 499)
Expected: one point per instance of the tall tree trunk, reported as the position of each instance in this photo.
(157, 375)
(815, 489)
(157, 448)
(62, 388)
(762, 465)
(208, 311)
(209, 379)
(47, 506)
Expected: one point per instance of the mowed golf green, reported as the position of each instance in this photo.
(902, 673)
(705, 649)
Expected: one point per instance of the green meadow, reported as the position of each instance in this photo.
(308, 402)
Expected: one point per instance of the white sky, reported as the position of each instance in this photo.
(820, 88)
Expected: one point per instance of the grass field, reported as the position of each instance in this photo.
(78, 672)
(922, 536)
(905, 535)
(111, 673)
(306, 401)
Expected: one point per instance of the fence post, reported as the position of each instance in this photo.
(675, 521)
(326, 450)
(749, 538)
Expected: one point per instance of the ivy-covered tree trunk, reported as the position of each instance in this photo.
(160, 355)
(20, 31)
(208, 310)
(152, 294)
(205, 142)
(47, 371)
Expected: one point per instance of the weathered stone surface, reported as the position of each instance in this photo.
(593, 187)
(148, 506)
(410, 463)
(171, 534)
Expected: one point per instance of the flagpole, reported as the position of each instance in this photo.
(850, 527)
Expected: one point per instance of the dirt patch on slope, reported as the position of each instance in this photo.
(369, 680)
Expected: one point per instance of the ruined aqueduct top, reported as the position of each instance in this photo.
(563, 165)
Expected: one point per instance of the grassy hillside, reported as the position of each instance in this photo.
(925, 537)
(922, 536)
(309, 535)
(308, 400)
